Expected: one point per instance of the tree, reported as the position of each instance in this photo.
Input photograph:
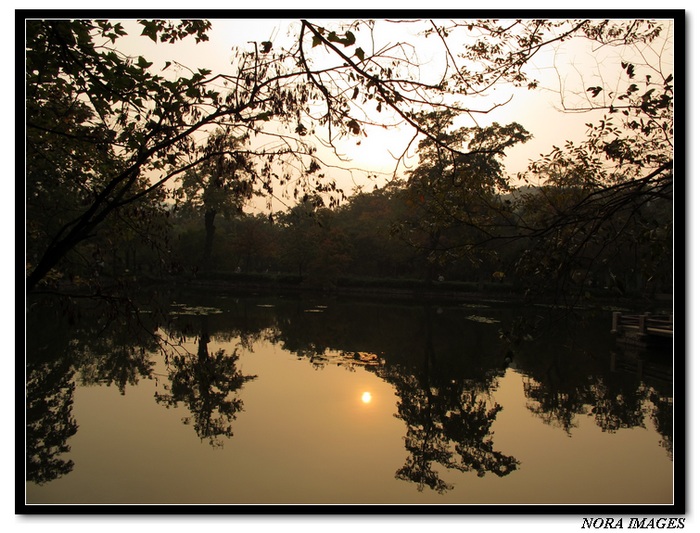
(254, 243)
(122, 132)
(221, 184)
(456, 187)
(105, 132)
(609, 196)
(95, 120)
(367, 220)
(302, 227)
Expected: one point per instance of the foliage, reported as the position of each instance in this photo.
(222, 183)
(455, 190)
(112, 141)
(97, 124)
(610, 195)
(121, 131)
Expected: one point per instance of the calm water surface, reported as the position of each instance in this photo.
(274, 400)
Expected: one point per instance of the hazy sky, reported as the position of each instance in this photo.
(572, 66)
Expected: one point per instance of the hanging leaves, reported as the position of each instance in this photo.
(629, 68)
(347, 40)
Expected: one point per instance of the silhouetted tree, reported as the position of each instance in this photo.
(207, 385)
(222, 183)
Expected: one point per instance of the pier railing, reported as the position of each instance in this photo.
(646, 324)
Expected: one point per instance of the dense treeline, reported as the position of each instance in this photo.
(375, 238)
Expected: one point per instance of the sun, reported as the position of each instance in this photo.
(366, 397)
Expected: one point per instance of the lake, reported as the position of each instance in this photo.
(313, 399)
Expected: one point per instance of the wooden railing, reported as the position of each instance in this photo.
(646, 324)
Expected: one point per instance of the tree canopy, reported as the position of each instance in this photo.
(111, 142)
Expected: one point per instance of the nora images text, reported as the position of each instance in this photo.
(633, 523)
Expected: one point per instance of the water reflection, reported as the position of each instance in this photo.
(447, 413)
(69, 342)
(208, 385)
(559, 389)
(50, 422)
(442, 363)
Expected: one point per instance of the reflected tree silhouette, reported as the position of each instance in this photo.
(662, 416)
(470, 428)
(553, 402)
(615, 406)
(611, 391)
(425, 441)
(448, 420)
(50, 422)
(74, 340)
(115, 361)
(441, 368)
(448, 424)
(207, 385)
